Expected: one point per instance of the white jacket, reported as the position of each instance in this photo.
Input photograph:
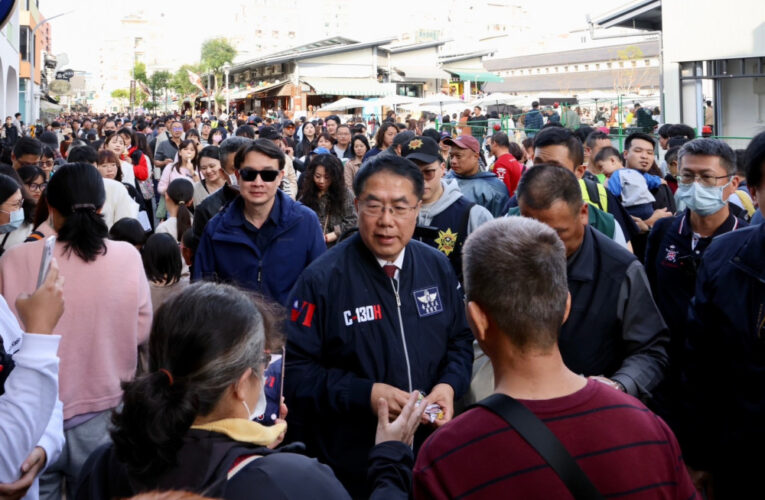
(118, 203)
(31, 413)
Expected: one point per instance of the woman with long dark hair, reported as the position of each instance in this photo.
(359, 147)
(324, 191)
(187, 423)
(383, 139)
(107, 316)
(309, 133)
(178, 200)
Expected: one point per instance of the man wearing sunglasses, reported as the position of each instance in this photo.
(262, 240)
(375, 318)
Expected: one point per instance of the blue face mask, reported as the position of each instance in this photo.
(700, 199)
(17, 217)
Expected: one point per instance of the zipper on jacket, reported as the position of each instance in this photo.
(394, 285)
(260, 276)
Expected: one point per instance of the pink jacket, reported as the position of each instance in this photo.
(169, 174)
(107, 315)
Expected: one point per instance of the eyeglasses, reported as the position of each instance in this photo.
(47, 163)
(37, 188)
(375, 209)
(705, 180)
(250, 174)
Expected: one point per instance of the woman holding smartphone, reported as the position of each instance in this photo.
(188, 423)
(108, 313)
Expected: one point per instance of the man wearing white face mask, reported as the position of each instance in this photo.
(706, 178)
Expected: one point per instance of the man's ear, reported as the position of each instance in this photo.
(568, 308)
(580, 170)
(584, 213)
(478, 320)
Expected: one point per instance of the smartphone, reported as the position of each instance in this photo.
(47, 257)
(281, 379)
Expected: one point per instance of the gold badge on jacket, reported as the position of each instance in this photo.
(446, 241)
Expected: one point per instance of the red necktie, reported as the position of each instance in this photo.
(390, 270)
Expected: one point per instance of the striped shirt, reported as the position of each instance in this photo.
(625, 450)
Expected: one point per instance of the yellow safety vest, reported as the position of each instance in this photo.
(602, 202)
(746, 201)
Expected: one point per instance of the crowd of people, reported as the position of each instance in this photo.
(248, 307)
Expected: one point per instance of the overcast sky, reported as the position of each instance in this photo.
(79, 33)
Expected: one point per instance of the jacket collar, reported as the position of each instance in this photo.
(749, 257)
(370, 260)
(244, 431)
(728, 225)
(237, 217)
(581, 265)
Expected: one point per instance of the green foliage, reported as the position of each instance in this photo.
(150, 105)
(121, 94)
(215, 53)
(139, 72)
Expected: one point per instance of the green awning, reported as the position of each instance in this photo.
(476, 76)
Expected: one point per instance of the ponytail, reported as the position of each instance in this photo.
(77, 193)
(181, 191)
(202, 340)
(157, 412)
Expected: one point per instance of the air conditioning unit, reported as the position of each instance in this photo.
(277, 69)
(267, 70)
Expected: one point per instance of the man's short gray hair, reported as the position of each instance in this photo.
(709, 147)
(231, 145)
(515, 269)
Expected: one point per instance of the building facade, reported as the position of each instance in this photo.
(626, 69)
(9, 66)
(720, 61)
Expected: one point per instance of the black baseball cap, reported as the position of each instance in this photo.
(268, 132)
(422, 148)
(403, 137)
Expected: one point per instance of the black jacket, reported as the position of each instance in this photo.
(346, 334)
(614, 327)
(206, 458)
(724, 358)
(209, 207)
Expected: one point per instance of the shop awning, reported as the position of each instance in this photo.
(270, 88)
(240, 94)
(350, 86)
(411, 73)
(475, 76)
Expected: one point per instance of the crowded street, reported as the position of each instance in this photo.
(490, 251)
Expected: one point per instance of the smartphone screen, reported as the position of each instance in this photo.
(47, 256)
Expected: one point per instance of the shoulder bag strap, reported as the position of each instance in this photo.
(541, 438)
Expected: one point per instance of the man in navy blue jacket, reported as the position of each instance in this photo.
(263, 240)
(376, 317)
(723, 375)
